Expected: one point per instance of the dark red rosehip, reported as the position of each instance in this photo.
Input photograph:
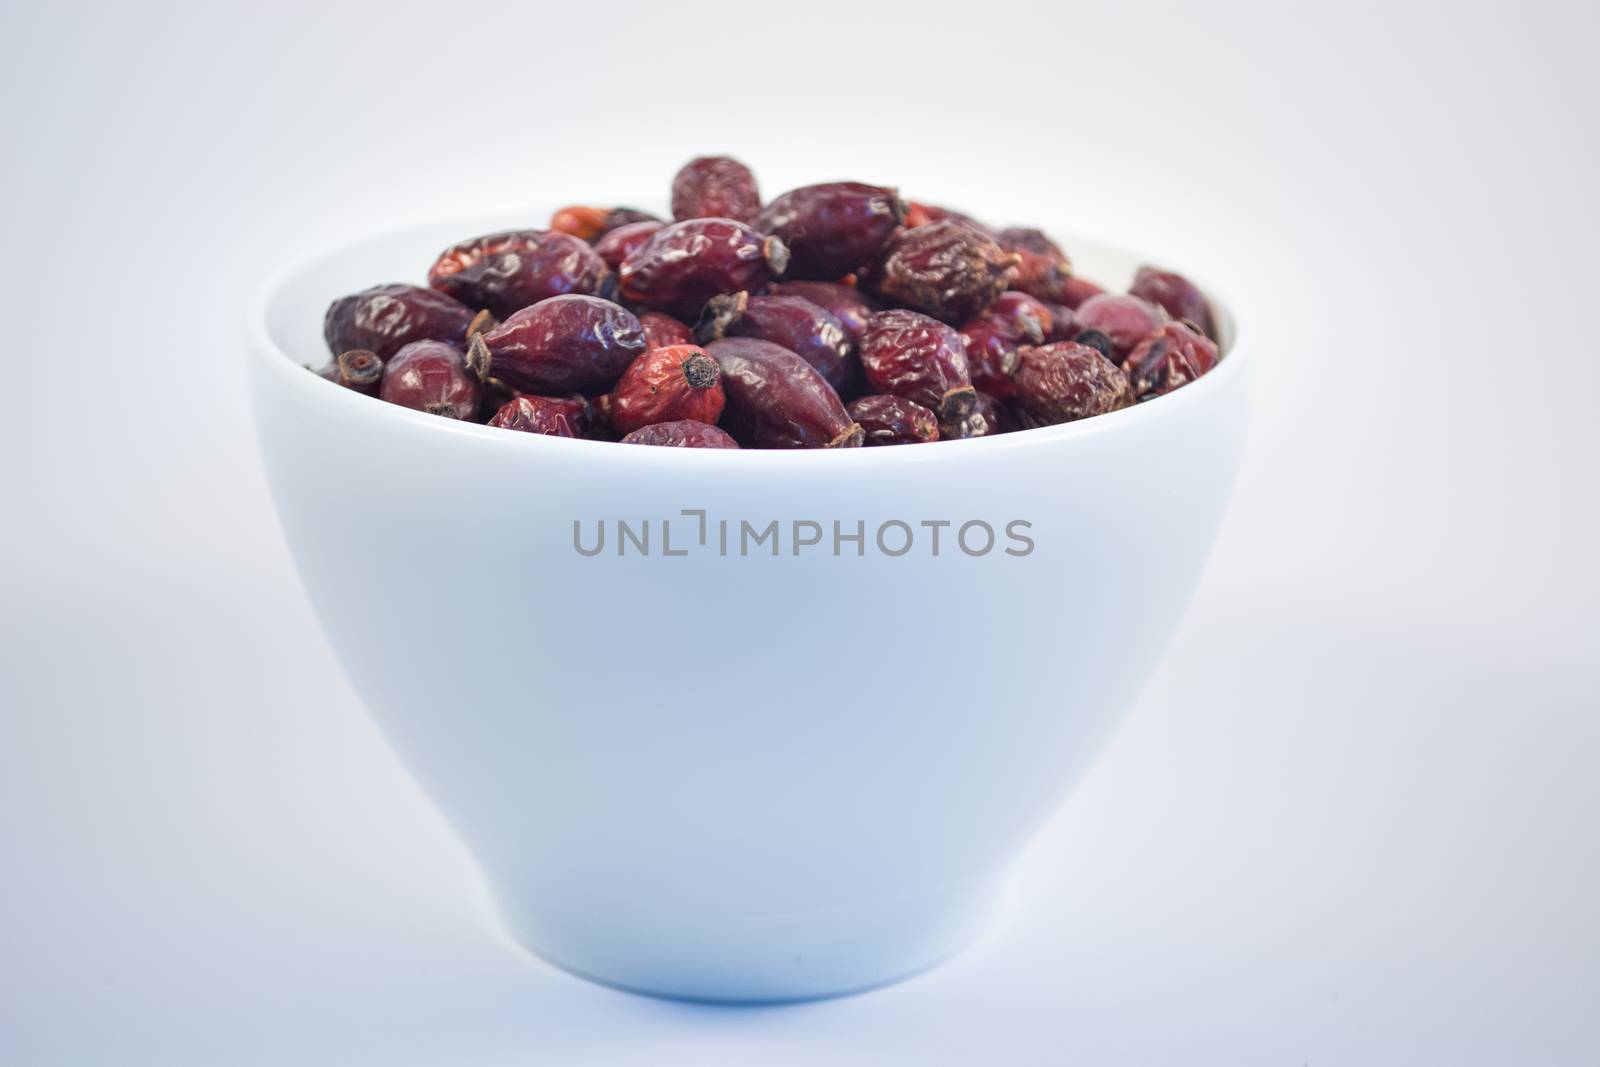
(777, 400)
(687, 263)
(386, 318)
(991, 355)
(1176, 295)
(921, 214)
(358, 370)
(715, 187)
(1020, 316)
(431, 376)
(552, 416)
(592, 223)
(1124, 320)
(684, 433)
(845, 302)
(945, 269)
(988, 417)
(1172, 356)
(1012, 320)
(1043, 270)
(566, 344)
(1075, 290)
(621, 242)
(1066, 381)
(661, 330)
(911, 355)
(894, 420)
(665, 385)
(834, 228)
(1063, 323)
(506, 272)
(793, 322)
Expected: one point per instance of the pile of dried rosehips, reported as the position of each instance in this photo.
(836, 315)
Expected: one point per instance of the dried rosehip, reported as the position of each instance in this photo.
(845, 302)
(991, 355)
(1043, 269)
(794, 322)
(1066, 381)
(386, 318)
(1124, 320)
(1075, 290)
(922, 214)
(357, 369)
(992, 339)
(715, 187)
(894, 420)
(665, 385)
(662, 330)
(506, 272)
(620, 243)
(911, 355)
(1175, 294)
(687, 263)
(431, 376)
(1172, 356)
(945, 269)
(591, 223)
(834, 228)
(566, 344)
(988, 416)
(552, 416)
(777, 400)
(684, 433)
(1063, 322)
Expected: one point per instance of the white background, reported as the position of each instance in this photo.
(1352, 821)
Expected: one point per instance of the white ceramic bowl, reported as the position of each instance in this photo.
(737, 777)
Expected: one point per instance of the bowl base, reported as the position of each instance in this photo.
(814, 956)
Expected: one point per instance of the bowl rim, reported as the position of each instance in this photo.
(1234, 364)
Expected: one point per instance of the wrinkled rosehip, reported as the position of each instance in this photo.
(506, 272)
(908, 354)
(991, 355)
(775, 399)
(386, 318)
(687, 263)
(1012, 320)
(661, 330)
(1124, 320)
(684, 433)
(834, 228)
(621, 242)
(1172, 356)
(431, 376)
(357, 369)
(1176, 295)
(552, 416)
(592, 223)
(844, 302)
(1067, 381)
(894, 420)
(945, 269)
(793, 322)
(1075, 290)
(665, 385)
(715, 187)
(566, 344)
(989, 416)
(1043, 270)
(918, 214)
